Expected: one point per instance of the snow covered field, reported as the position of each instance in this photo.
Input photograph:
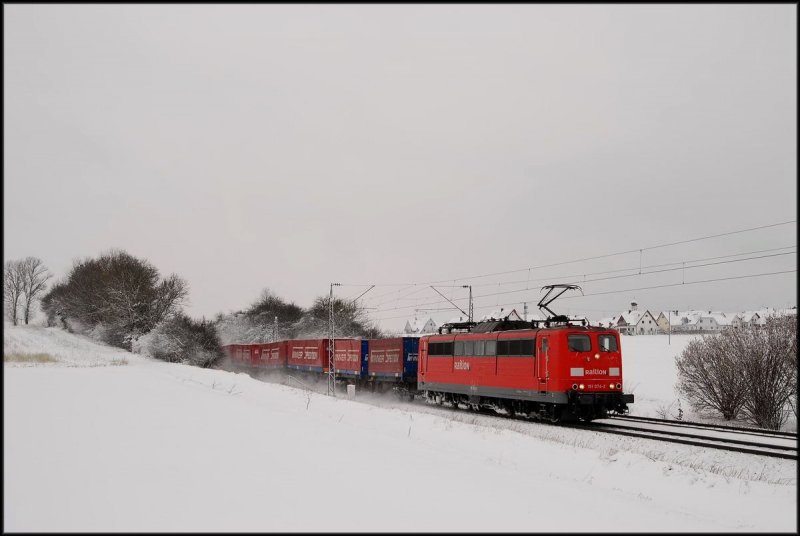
(154, 446)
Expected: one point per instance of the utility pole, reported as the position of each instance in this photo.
(669, 332)
(275, 330)
(331, 345)
(470, 301)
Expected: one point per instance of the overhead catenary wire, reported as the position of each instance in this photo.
(561, 263)
(514, 291)
(618, 291)
(410, 287)
(632, 268)
(636, 250)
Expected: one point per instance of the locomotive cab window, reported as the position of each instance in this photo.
(459, 347)
(579, 343)
(608, 343)
(490, 348)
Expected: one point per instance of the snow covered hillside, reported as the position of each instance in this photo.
(155, 446)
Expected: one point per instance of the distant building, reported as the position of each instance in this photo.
(747, 319)
(662, 320)
(419, 327)
(607, 322)
(635, 322)
(502, 314)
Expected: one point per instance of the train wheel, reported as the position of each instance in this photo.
(554, 415)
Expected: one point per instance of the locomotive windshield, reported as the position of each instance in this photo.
(579, 343)
(608, 343)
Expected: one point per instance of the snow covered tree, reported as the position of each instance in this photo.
(179, 339)
(115, 298)
(350, 319)
(256, 324)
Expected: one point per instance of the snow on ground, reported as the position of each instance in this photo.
(157, 446)
(649, 373)
(69, 350)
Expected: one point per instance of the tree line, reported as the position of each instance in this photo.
(271, 318)
(124, 301)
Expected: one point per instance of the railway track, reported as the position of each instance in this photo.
(785, 448)
(781, 445)
(705, 426)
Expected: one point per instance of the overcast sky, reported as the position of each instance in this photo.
(290, 146)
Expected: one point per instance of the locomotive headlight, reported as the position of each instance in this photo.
(597, 356)
(610, 385)
(619, 386)
(580, 386)
(574, 386)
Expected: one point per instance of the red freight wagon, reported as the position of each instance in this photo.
(312, 355)
(239, 354)
(569, 371)
(349, 358)
(270, 355)
(393, 359)
(307, 354)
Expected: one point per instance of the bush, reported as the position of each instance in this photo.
(182, 340)
(771, 372)
(749, 370)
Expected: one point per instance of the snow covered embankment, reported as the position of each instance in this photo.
(157, 446)
(66, 349)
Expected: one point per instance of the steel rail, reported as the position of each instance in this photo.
(697, 436)
(708, 426)
(610, 429)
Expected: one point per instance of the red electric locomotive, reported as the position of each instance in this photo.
(556, 369)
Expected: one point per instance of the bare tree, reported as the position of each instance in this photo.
(771, 372)
(34, 282)
(13, 285)
(710, 376)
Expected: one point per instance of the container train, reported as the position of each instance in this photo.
(556, 369)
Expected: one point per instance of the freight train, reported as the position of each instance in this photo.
(556, 369)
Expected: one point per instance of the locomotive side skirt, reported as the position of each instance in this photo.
(496, 392)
